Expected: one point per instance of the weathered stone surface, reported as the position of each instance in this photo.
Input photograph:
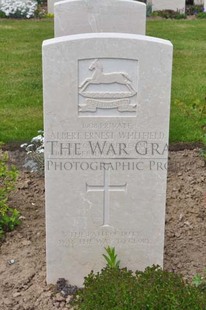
(106, 111)
(198, 2)
(50, 5)
(176, 5)
(75, 17)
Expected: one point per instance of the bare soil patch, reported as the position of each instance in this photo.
(22, 254)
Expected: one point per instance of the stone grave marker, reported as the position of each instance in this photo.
(175, 5)
(106, 114)
(198, 2)
(75, 17)
(50, 5)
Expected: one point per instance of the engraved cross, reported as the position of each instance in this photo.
(106, 188)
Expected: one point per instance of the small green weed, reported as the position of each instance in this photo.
(111, 258)
(200, 281)
(197, 280)
(9, 217)
(9, 220)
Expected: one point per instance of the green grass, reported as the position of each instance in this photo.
(21, 76)
(189, 75)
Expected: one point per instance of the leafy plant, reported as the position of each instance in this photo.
(201, 15)
(18, 8)
(42, 2)
(9, 220)
(180, 16)
(194, 9)
(200, 281)
(49, 15)
(111, 258)
(2, 14)
(197, 280)
(35, 152)
(171, 14)
(120, 289)
(9, 217)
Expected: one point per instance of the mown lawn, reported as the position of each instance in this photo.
(21, 82)
(21, 77)
(188, 114)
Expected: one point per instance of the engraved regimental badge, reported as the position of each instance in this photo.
(108, 87)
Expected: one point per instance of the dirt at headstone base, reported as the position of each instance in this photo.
(22, 254)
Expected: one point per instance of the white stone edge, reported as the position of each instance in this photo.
(63, 2)
(106, 35)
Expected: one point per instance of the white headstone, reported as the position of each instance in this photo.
(50, 5)
(106, 110)
(204, 5)
(75, 17)
(175, 5)
(198, 2)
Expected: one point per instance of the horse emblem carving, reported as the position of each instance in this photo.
(99, 77)
(109, 96)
